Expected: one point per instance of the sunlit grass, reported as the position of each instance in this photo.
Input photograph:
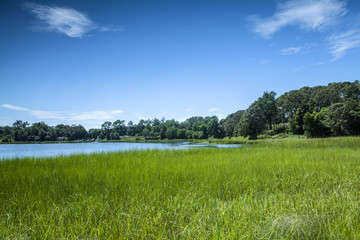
(293, 189)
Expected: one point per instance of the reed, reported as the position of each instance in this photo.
(292, 189)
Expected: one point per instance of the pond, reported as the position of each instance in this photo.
(56, 149)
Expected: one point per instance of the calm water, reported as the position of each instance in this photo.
(50, 150)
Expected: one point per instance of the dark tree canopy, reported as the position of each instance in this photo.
(252, 122)
(231, 122)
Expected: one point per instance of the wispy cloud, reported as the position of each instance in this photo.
(341, 43)
(69, 116)
(12, 107)
(111, 29)
(212, 109)
(305, 14)
(64, 20)
(290, 51)
(265, 62)
(97, 115)
(49, 115)
(313, 15)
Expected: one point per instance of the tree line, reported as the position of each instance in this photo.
(192, 128)
(321, 111)
(40, 132)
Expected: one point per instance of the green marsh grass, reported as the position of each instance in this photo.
(291, 189)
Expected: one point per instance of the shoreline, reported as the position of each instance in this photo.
(207, 141)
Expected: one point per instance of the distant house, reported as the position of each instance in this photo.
(60, 139)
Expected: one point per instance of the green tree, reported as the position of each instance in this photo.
(140, 127)
(131, 129)
(204, 130)
(314, 124)
(19, 129)
(344, 118)
(39, 131)
(114, 135)
(324, 96)
(230, 122)
(297, 125)
(120, 129)
(106, 128)
(6, 135)
(212, 127)
(158, 131)
(77, 132)
(267, 104)
(62, 130)
(171, 133)
(289, 102)
(94, 133)
(181, 134)
(146, 133)
(252, 122)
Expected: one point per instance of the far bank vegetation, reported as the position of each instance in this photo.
(321, 111)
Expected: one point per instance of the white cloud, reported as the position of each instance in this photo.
(341, 43)
(115, 112)
(212, 109)
(12, 107)
(69, 116)
(48, 115)
(305, 14)
(290, 51)
(111, 29)
(96, 115)
(64, 20)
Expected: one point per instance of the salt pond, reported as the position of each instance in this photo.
(53, 149)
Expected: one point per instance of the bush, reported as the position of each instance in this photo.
(6, 139)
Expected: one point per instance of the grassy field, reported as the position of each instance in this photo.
(290, 189)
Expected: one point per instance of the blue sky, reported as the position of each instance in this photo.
(87, 62)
